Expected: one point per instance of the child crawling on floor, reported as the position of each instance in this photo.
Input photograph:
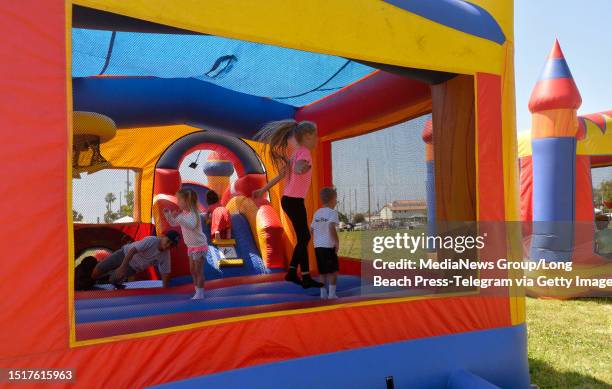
(218, 217)
(326, 242)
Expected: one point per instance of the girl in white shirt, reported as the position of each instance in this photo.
(191, 226)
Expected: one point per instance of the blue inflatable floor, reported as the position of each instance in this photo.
(116, 308)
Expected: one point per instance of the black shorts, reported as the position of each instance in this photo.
(327, 260)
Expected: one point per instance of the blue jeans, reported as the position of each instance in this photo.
(110, 264)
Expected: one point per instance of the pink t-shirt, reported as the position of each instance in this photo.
(297, 184)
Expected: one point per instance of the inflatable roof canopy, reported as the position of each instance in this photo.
(171, 68)
(202, 80)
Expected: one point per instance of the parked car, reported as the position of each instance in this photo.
(359, 227)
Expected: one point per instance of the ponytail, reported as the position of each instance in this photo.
(275, 137)
(191, 197)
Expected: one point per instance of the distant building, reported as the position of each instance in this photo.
(405, 210)
(372, 219)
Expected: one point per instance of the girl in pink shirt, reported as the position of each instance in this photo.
(193, 235)
(296, 170)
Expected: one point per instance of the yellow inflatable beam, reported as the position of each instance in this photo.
(369, 30)
(93, 123)
(595, 142)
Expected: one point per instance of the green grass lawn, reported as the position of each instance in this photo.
(570, 343)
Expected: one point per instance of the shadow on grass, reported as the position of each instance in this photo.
(597, 300)
(546, 377)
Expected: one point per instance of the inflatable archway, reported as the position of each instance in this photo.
(381, 63)
(257, 230)
(556, 158)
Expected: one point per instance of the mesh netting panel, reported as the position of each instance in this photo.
(602, 200)
(601, 174)
(104, 196)
(291, 76)
(396, 157)
(397, 177)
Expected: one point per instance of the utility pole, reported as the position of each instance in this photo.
(356, 201)
(351, 208)
(369, 210)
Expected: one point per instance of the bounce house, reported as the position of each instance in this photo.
(556, 158)
(115, 84)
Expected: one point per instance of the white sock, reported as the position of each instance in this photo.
(332, 292)
(323, 293)
(199, 294)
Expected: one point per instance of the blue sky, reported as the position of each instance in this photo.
(582, 29)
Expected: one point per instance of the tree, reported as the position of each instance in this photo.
(109, 199)
(128, 208)
(77, 216)
(358, 218)
(342, 217)
(110, 216)
(606, 189)
(597, 195)
(603, 194)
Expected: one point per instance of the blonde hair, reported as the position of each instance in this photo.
(191, 198)
(275, 136)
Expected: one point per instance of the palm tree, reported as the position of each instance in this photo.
(77, 216)
(128, 208)
(110, 199)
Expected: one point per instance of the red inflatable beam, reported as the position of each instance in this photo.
(166, 181)
(387, 94)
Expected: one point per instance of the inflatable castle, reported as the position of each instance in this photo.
(556, 158)
(116, 84)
